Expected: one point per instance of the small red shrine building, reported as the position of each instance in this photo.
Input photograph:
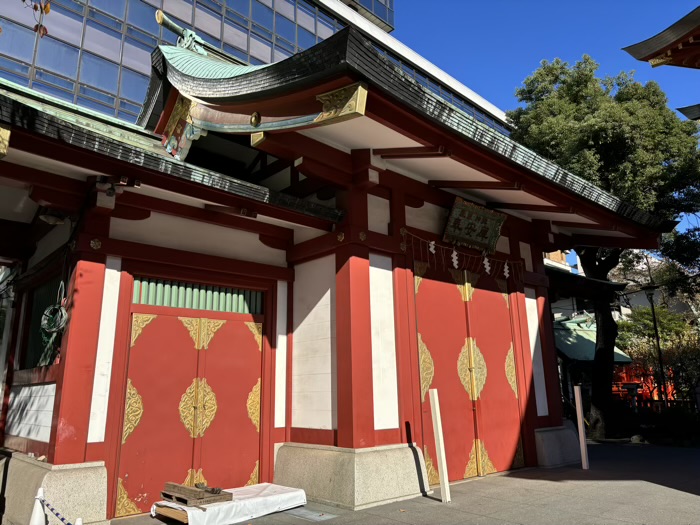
(264, 283)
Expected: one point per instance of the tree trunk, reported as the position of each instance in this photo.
(596, 264)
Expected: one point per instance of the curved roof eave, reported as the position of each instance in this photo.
(351, 51)
(652, 47)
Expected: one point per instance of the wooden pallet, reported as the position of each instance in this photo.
(192, 496)
(176, 514)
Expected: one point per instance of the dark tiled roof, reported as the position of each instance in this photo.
(348, 51)
(653, 46)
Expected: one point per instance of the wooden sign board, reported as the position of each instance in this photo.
(473, 226)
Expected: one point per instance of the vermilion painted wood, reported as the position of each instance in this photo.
(230, 448)
(497, 409)
(354, 348)
(162, 366)
(71, 418)
(442, 326)
(315, 436)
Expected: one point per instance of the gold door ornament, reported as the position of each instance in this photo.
(194, 477)
(427, 367)
(465, 281)
(201, 331)
(433, 474)
(138, 323)
(256, 330)
(510, 370)
(479, 463)
(255, 475)
(420, 268)
(198, 407)
(133, 410)
(125, 507)
(519, 458)
(253, 405)
(471, 368)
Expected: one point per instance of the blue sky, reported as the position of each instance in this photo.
(491, 46)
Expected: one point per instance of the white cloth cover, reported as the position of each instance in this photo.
(248, 503)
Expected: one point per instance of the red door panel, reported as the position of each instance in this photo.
(442, 330)
(156, 445)
(229, 450)
(498, 415)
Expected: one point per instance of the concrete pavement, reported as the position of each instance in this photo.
(627, 484)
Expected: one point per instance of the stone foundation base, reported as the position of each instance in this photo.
(556, 447)
(76, 491)
(352, 478)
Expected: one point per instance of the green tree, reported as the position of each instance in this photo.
(620, 135)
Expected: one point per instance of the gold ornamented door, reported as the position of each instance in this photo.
(192, 410)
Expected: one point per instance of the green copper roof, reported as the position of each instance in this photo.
(577, 341)
(193, 64)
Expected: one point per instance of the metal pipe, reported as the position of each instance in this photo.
(168, 24)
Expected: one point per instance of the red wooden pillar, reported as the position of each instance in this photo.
(354, 329)
(78, 352)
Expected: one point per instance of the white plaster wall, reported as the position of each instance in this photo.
(378, 214)
(30, 412)
(57, 237)
(526, 254)
(428, 217)
(384, 374)
(105, 351)
(180, 233)
(533, 328)
(281, 356)
(313, 346)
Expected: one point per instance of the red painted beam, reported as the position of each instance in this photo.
(62, 152)
(291, 146)
(67, 202)
(419, 152)
(475, 185)
(585, 226)
(529, 207)
(158, 255)
(43, 179)
(134, 199)
(416, 127)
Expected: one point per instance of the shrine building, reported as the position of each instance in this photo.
(265, 276)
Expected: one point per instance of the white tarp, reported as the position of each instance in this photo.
(248, 503)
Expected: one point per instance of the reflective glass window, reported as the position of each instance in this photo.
(113, 7)
(268, 3)
(155, 3)
(262, 15)
(306, 16)
(16, 67)
(236, 35)
(306, 39)
(133, 86)
(65, 24)
(58, 57)
(137, 55)
(97, 106)
(50, 90)
(214, 5)
(260, 48)
(242, 55)
(325, 26)
(180, 8)
(143, 16)
(286, 7)
(98, 95)
(280, 54)
(74, 5)
(208, 21)
(16, 41)
(134, 108)
(208, 38)
(102, 41)
(127, 116)
(24, 81)
(285, 27)
(240, 6)
(147, 39)
(98, 72)
(17, 11)
(55, 80)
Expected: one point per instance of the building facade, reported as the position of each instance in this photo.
(266, 277)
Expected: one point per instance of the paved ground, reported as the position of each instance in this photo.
(627, 484)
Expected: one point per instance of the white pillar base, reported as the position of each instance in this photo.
(353, 478)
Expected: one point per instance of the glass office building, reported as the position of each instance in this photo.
(97, 52)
